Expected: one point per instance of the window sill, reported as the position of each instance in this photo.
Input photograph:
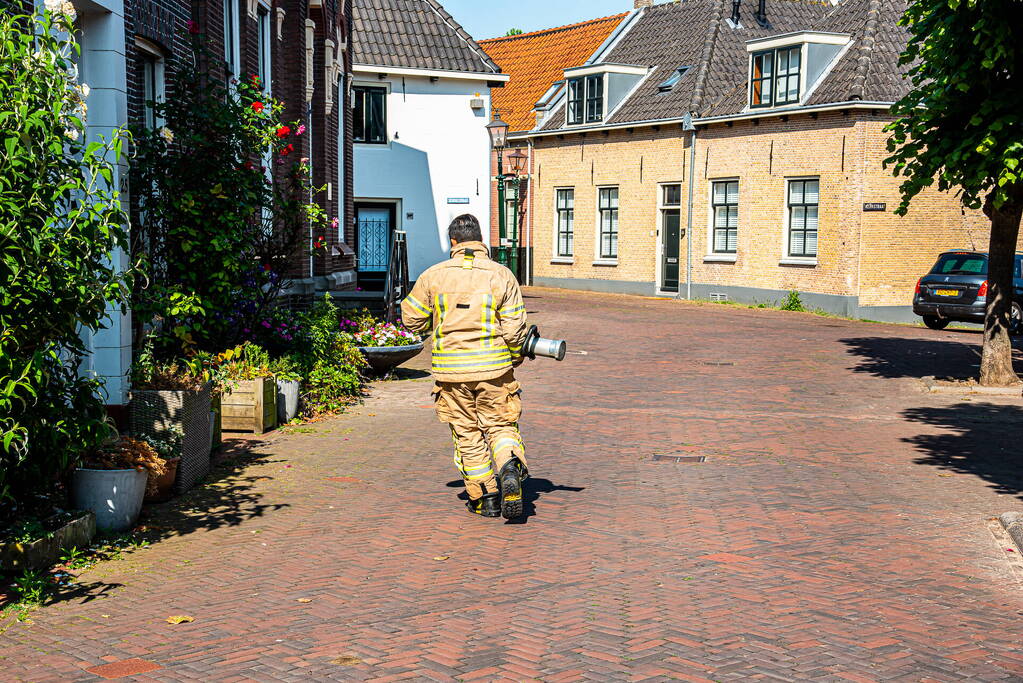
(564, 261)
(606, 262)
(720, 258)
(810, 262)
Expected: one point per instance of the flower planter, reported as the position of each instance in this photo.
(44, 552)
(287, 400)
(165, 482)
(114, 496)
(154, 413)
(250, 407)
(383, 359)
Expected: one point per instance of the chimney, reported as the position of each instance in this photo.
(640, 4)
(735, 13)
(761, 14)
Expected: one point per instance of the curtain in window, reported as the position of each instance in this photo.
(609, 222)
(566, 222)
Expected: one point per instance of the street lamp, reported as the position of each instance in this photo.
(518, 160)
(498, 131)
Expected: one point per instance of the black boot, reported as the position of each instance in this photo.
(488, 506)
(510, 482)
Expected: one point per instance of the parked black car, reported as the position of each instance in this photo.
(956, 290)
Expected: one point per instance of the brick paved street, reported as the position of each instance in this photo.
(840, 528)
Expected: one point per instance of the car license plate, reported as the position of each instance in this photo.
(947, 292)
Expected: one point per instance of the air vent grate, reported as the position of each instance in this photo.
(718, 296)
(678, 458)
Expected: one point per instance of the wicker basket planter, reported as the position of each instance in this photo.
(153, 413)
(250, 407)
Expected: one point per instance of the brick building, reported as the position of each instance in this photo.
(534, 61)
(301, 49)
(715, 151)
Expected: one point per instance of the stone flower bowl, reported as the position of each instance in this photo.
(383, 359)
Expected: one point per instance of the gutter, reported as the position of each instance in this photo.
(788, 111)
(430, 73)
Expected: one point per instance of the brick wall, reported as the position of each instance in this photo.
(876, 256)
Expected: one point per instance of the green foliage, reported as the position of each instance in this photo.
(793, 302)
(223, 206)
(61, 236)
(33, 587)
(514, 32)
(961, 124)
(332, 366)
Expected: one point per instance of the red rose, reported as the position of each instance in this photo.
(249, 165)
(193, 27)
(287, 150)
(258, 107)
(283, 132)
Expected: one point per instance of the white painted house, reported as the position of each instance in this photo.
(421, 93)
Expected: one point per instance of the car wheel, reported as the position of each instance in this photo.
(936, 323)
(1016, 319)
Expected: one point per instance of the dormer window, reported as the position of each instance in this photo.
(594, 90)
(586, 99)
(775, 77)
(785, 69)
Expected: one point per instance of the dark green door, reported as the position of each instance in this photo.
(671, 220)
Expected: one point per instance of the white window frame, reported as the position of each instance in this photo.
(556, 255)
(585, 92)
(386, 85)
(598, 259)
(712, 256)
(232, 48)
(787, 259)
(153, 52)
(264, 36)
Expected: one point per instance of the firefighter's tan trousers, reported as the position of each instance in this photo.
(484, 420)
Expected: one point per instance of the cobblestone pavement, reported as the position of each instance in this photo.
(839, 529)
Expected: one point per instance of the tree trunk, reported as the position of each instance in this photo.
(996, 359)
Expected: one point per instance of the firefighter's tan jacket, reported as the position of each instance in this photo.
(474, 308)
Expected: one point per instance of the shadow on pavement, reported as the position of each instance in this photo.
(983, 439)
(901, 357)
(531, 489)
(226, 498)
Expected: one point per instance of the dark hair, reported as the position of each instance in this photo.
(465, 228)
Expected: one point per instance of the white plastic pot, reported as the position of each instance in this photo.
(114, 496)
(287, 400)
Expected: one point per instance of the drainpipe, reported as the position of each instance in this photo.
(529, 216)
(687, 124)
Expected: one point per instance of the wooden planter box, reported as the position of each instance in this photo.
(250, 407)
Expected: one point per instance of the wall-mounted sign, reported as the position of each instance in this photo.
(874, 206)
(458, 200)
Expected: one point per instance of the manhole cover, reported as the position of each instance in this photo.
(679, 458)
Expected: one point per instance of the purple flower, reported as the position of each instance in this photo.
(267, 325)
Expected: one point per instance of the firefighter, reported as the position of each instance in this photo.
(474, 309)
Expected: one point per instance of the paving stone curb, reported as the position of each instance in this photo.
(937, 387)
(1013, 523)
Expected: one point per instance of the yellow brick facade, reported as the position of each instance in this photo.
(866, 259)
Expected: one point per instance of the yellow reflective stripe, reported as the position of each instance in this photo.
(441, 307)
(507, 442)
(469, 354)
(487, 317)
(512, 311)
(467, 261)
(473, 365)
(414, 302)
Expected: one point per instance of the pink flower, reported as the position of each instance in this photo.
(193, 27)
(301, 129)
(334, 223)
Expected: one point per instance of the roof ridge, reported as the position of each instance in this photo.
(554, 29)
(453, 24)
(859, 84)
(706, 56)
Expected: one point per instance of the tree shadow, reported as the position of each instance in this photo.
(227, 497)
(532, 489)
(983, 439)
(895, 357)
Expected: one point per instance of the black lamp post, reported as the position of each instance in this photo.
(518, 161)
(498, 131)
